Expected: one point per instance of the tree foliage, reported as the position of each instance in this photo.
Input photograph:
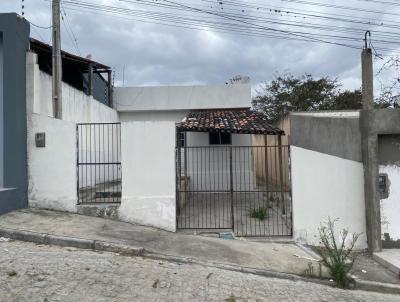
(390, 96)
(287, 93)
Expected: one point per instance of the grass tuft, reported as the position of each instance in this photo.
(262, 212)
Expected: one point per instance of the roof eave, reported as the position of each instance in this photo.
(67, 55)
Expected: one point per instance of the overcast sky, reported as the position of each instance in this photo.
(160, 54)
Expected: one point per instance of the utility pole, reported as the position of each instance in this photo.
(367, 76)
(56, 60)
(370, 153)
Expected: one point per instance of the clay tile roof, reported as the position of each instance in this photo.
(244, 121)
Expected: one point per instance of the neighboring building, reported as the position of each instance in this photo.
(328, 175)
(52, 143)
(83, 74)
(14, 42)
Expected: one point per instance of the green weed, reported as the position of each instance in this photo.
(336, 254)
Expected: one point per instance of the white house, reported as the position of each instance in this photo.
(150, 117)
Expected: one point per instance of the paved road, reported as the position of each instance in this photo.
(30, 272)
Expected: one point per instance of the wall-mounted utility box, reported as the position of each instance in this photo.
(40, 139)
(383, 185)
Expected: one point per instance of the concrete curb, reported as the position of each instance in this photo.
(235, 268)
(69, 241)
(80, 243)
(98, 245)
(385, 288)
(393, 268)
(118, 248)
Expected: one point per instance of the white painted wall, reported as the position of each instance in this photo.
(77, 106)
(390, 207)
(326, 186)
(148, 168)
(1, 115)
(52, 170)
(209, 167)
(166, 98)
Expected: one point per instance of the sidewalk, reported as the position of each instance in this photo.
(274, 259)
(277, 257)
(389, 258)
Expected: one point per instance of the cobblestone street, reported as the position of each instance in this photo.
(30, 272)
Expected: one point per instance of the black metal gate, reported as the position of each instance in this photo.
(99, 163)
(243, 188)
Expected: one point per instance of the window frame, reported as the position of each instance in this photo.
(220, 140)
(182, 139)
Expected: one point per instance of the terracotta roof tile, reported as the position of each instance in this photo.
(243, 121)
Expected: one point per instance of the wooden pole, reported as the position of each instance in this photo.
(110, 89)
(90, 79)
(281, 174)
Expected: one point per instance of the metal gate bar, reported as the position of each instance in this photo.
(243, 188)
(98, 163)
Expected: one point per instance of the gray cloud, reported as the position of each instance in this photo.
(158, 54)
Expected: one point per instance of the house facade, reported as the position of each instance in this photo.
(148, 118)
(186, 157)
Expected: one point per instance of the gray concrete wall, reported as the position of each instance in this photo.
(382, 121)
(374, 123)
(389, 150)
(338, 136)
(15, 37)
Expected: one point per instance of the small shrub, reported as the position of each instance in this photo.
(337, 256)
(261, 212)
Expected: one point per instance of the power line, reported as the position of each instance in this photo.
(69, 30)
(309, 13)
(218, 29)
(256, 26)
(38, 26)
(252, 18)
(381, 2)
(292, 15)
(236, 24)
(318, 26)
(40, 36)
(341, 7)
